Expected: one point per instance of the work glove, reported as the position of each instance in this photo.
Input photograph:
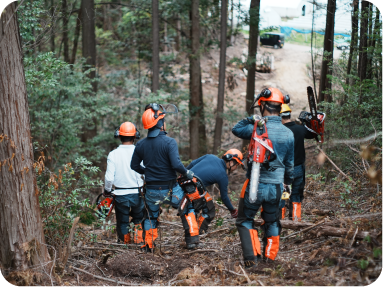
(107, 193)
(234, 213)
(253, 118)
(189, 174)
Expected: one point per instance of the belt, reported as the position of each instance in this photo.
(171, 183)
(128, 187)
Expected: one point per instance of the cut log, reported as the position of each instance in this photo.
(320, 230)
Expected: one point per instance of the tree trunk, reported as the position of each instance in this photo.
(156, 47)
(377, 56)
(89, 37)
(232, 23)
(76, 37)
(202, 124)
(251, 58)
(65, 30)
(328, 51)
(21, 230)
(353, 44)
(195, 81)
(52, 28)
(373, 34)
(165, 37)
(178, 33)
(363, 43)
(221, 84)
(312, 53)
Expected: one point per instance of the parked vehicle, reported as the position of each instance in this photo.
(342, 44)
(277, 40)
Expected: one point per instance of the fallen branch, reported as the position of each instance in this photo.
(198, 251)
(322, 230)
(70, 239)
(109, 249)
(118, 244)
(305, 229)
(353, 238)
(337, 168)
(215, 231)
(103, 278)
(247, 277)
(232, 272)
(304, 247)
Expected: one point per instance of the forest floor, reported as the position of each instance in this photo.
(305, 259)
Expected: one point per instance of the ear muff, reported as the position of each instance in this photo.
(286, 99)
(138, 135)
(117, 132)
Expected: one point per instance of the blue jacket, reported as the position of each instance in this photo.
(160, 158)
(211, 169)
(281, 170)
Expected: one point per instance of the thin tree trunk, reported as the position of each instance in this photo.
(21, 230)
(328, 51)
(221, 84)
(156, 47)
(371, 36)
(65, 30)
(312, 53)
(251, 58)
(76, 37)
(89, 37)
(232, 23)
(377, 42)
(353, 44)
(165, 37)
(195, 81)
(178, 33)
(52, 28)
(202, 123)
(363, 43)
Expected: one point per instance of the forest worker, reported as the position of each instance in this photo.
(127, 183)
(272, 177)
(300, 134)
(159, 154)
(211, 169)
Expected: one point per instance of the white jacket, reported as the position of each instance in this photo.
(119, 173)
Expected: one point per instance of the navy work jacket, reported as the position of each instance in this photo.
(281, 170)
(160, 157)
(211, 169)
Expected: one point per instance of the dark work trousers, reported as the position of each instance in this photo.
(128, 205)
(207, 215)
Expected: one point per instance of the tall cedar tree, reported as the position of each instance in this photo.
(65, 30)
(21, 230)
(221, 85)
(252, 56)
(89, 36)
(354, 41)
(89, 52)
(363, 44)
(156, 47)
(328, 51)
(195, 81)
(373, 35)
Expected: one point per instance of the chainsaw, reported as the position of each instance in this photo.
(260, 152)
(194, 192)
(104, 206)
(313, 120)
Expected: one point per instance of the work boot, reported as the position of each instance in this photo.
(252, 263)
(147, 249)
(191, 246)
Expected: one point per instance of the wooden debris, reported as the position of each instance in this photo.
(103, 278)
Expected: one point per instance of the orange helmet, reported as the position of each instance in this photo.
(273, 95)
(152, 115)
(127, 129)
(233, 154)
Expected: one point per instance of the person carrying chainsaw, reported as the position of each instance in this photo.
(300, 134)
(211, 169)
(273, 173)
(159, 154)
(127, 183)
